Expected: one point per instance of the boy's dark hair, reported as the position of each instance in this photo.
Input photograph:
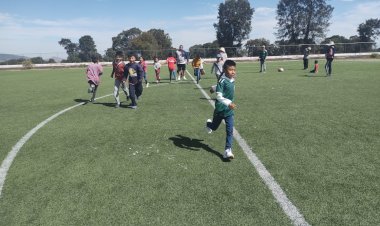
(119, 53)
(228, 64)
(316, 61)
(94, 59)
(170, 54)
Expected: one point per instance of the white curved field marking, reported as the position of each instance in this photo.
(7, 162)
(287, 206)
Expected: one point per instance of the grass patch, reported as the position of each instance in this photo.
(97, 165)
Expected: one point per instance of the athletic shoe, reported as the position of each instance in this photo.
(117, 106)
(132, 106)
(147, 85)
(228, 154)
(208, 129)
(184, 78)
(178, 78)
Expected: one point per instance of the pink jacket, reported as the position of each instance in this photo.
(94, 71)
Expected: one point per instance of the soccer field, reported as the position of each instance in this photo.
(318, 137)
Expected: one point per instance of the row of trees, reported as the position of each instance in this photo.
(33, 60)
(300, 23)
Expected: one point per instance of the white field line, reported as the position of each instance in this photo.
(7, 162)
(287, 206)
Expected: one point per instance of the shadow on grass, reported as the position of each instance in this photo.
(82, 101)
(313, 75)
(193, 145)
(123, 104)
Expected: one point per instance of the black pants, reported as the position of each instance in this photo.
(135, 91)
(328, 65)
(305, 64)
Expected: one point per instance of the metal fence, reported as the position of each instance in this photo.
(250, 51)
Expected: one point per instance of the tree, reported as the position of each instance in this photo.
(163, 39)
(368, 32)
(143, 45)
(302, 21)
(72, 50)
(206, 50)
(121, 41)
(234, 23)
(87, 48)
(253, 46)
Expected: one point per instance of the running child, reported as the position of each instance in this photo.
(197, 62)
(143, 65)
(93, 72)
(134, 73)
(157, 69)
(171, 61)
(118, 72)
(224, 106)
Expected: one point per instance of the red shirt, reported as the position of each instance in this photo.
(118, 69)
(171, 62)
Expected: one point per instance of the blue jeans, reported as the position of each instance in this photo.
(197, 72)
(229, 120)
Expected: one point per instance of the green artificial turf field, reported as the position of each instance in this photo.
(319, 138)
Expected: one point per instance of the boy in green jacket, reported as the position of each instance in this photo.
(224, 106)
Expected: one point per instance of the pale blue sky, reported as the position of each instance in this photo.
(34, 27)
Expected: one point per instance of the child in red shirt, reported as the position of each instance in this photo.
(171, 61)
(316, 67)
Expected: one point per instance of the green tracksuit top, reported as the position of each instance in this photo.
(225, 91)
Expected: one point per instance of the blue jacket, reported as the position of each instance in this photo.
(134, 72)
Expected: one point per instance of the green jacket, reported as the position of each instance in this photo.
(263, 54)
(225, 91)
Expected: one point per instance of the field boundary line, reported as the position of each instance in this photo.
(287, 206)
(7, 162)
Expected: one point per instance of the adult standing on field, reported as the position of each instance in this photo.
(306, 53)
(262, 56)
(182, 59)
(330, 53)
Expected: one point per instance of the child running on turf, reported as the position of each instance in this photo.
(217, 67)
(197, 63)
(145, 69)
(134, 73)
(171, 61)
(118, 71)
(157, 69)
(93, 72)
(224, 106)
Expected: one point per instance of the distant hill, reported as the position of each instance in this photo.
(5, 57)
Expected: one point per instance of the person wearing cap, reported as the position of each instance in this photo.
(306, 53)
(182, 59)
(118, 72)
(330, 53)
(262, 56)
(223, 54)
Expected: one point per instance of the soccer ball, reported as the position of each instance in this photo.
(280, 69)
